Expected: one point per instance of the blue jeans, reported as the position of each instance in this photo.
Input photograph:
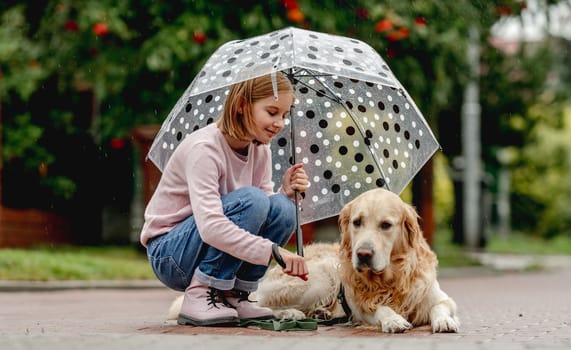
(180, 254)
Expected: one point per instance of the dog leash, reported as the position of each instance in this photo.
(307, 324)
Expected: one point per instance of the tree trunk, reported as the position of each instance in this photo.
(423, 199)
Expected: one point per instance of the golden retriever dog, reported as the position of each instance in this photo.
(383, 264)
(382, 274)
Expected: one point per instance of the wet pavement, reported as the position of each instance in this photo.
(498, 310)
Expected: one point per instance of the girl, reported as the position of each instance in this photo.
(214, 223)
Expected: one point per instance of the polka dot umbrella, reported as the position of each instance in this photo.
(353, 124)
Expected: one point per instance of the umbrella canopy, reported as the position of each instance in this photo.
(353, 124)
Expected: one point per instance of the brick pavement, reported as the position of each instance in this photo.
(498, 311)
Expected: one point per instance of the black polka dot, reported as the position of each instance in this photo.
(380, 182)
(338, 84)
(362, 109)
(359, 157)
(274, 46)
(396, 109)
(357, 50)
(226, 73)
(188, 107)
(386, 126)
(323, 123)
(369, 169)
(208, 99)
(239, 51)
(196, 127)
(335, 188)
(312, 56)
(406, 134)
(320, 93)
(386, 153)
(209, 121)
(397, 127)
(368, 133)
(265, 55)
(179, 136)
(381, 105)
(338, 49)
(254, 43)
(417, 144)
(282, 142)
(304, 90)
(327, 174)
(343, 150)
(350, 130)
(310, 114)
(313, 48)
(395, 164)
(349, 104)
(314, 149)
(231, 60)
(348, 63)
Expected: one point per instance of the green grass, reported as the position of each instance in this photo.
(53, 263)
(74, 263)
(518, 243)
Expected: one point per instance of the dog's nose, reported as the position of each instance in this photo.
(364, 255)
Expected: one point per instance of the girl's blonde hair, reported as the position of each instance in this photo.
(240, 125)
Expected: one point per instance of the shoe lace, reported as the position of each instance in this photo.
(241, 295)
(215, 296)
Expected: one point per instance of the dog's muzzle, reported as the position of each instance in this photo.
(364, 255)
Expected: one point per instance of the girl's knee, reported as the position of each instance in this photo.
(284, 206)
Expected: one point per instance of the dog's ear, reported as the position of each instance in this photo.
(343, 222)
(412, 226)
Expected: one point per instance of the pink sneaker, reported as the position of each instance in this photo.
(204, 306)
(246, 308)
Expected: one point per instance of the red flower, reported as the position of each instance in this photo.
(384, 25)
(199, 37)
(391, 52)
(362, 13)
(503, 10)
(290, 4)
(295, 15)
(100, 29)
(399, 34)
(71, 25)
(420, 21)
(117, 143)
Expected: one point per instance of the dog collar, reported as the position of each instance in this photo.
(341, 298)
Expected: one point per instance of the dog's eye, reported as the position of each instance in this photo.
(357, 222)
(385, 225)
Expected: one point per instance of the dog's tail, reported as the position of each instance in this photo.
(175, 307)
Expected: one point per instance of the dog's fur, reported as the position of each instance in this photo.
(385, 265)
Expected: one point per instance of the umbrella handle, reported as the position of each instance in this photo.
(298, 231)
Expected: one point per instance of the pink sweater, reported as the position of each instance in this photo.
(202, 169)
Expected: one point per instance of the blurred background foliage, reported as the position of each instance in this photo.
(77, 76)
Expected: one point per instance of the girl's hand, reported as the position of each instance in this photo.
(295, 179)
(294, 264)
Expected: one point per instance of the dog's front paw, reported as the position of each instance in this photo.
(445, 324)
(289, 314)
(395, 324)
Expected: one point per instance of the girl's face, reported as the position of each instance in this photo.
(270, 115)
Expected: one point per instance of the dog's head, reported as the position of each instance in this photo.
(374, 227)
